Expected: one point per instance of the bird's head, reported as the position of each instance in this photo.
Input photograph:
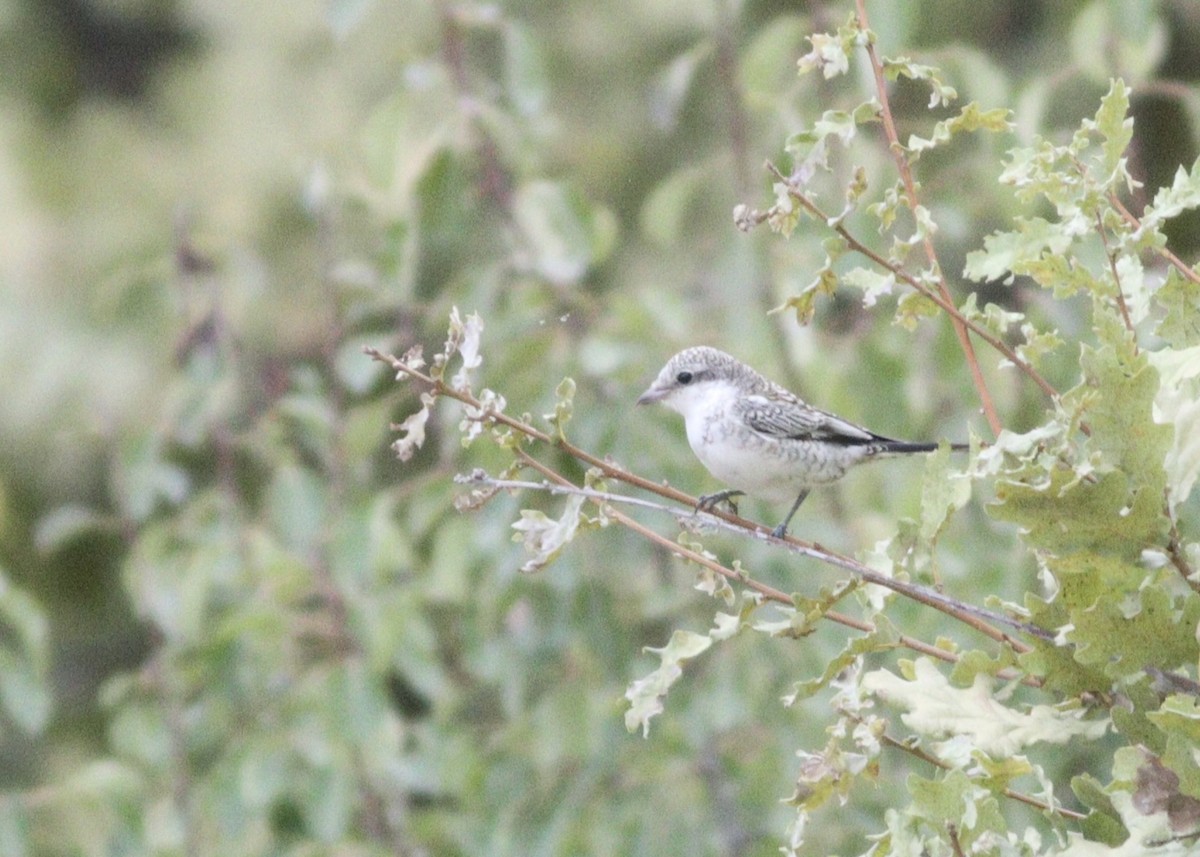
(694, 376)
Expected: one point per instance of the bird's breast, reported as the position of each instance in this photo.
(773, 469)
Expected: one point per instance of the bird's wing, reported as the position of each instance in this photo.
(787, 417)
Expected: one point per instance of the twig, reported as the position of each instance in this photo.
(1175, 553)
(1112, 264)
(928, 757)
(1165, 252)
(910, 190)
(495, 183)
(952, 833)
(937, 297)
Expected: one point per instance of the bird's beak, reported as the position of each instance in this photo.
(654, 394)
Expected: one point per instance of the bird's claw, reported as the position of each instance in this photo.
(708, 502)
(779, 532)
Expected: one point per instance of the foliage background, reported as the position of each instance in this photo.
(233, 623)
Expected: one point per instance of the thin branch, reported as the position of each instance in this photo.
(931, 759)
(1130, 218)
(952, 834)
(938, 297)
(1178, 559)
(910, 190)
(1112, 264)
(495, 183)
(743, 579)
(968, 613)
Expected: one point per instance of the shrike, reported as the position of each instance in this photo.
(754, 434)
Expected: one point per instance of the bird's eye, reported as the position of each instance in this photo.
(684, 377)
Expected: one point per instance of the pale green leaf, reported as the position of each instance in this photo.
(1006, 253)
(1115, 126)
(564, 405)
(544, 537)
(937, 710)
(60, 527)
(671, 85)
(830, 54)
(874, 284)
(646, 695)
(1178, 405)
(413, 429)
(1183, 195)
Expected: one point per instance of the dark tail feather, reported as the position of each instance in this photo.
(901, 447)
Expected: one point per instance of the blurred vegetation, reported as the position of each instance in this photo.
(231, 622)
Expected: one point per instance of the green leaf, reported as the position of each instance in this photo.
(1121, 417)
(563, 234)
(941, 95)
(830, 53)
(1133, 35)
(71, 521)
(25, 690)
(1145, 629)
(1103, 824)
(912, 307)
(670, 87)
(665, 214)
(144, 478)
(402, 138)
(943, 490)
(882, 639)
(526, 81)
(297, 499)
(564, 406)
(1066, 513)
(1179, 296)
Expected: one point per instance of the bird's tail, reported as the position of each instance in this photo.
(903, 447)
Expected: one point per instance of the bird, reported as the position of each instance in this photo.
(751, 433)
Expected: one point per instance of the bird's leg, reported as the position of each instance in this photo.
(781, 531)
(708, 502)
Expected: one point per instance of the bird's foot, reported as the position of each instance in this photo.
(708, 502)
(779, 532)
